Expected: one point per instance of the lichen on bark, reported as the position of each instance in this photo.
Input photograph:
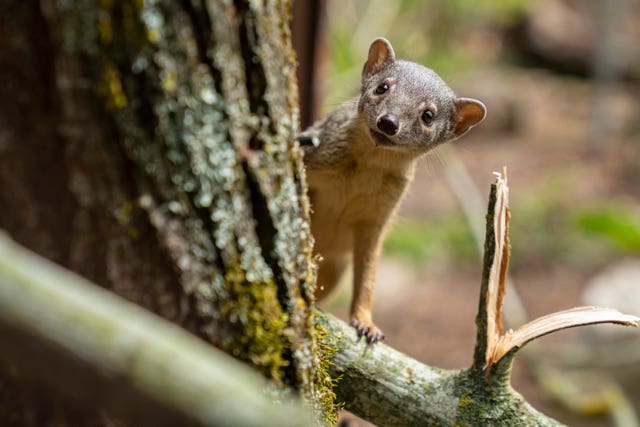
(201, 99)
(387, 387)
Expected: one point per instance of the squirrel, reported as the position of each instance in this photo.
(360, 160)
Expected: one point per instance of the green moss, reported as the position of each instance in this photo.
(487, 401)
(464, 401)
(426, 388)
(325, 383)
(119, 20)
(125, 213)
(109, 87)
(255, 308)
(105, 25)
(120, 34)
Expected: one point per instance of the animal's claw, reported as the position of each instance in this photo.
(368, 330)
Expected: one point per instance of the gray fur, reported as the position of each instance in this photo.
(360, 160)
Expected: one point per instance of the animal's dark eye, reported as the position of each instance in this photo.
(427, 116)
(382, 88)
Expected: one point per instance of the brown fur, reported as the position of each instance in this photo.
(358, 169)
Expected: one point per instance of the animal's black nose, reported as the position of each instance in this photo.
(388, 124)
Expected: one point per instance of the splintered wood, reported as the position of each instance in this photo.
(579, 316)
(499, 344)
(498, 272)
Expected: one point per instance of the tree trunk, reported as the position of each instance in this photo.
(148, 146)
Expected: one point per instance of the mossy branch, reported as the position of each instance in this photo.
(389, 388)
(48, 307)
(200, 386)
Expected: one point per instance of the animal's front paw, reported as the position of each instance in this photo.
(366, 328)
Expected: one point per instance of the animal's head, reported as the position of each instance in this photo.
(409, 107)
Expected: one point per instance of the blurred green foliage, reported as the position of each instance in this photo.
(441, 240)
(545, 230)
(618, 225)
(548, 226)
(434, 33)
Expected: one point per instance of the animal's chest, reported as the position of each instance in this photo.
(356, 193)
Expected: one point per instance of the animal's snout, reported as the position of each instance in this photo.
(388, 124)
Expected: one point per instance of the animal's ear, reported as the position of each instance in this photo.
(380, 55)
(468, 113)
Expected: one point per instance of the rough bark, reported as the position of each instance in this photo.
(136, 364)
(386, 387)
(148, 146)
(117, 351)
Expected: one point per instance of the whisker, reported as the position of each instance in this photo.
(427, 164)
(440, 157)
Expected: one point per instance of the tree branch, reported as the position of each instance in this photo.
(201, 386)
(128, 347)
(389, 388)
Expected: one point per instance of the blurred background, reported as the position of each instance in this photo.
(561, 81)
